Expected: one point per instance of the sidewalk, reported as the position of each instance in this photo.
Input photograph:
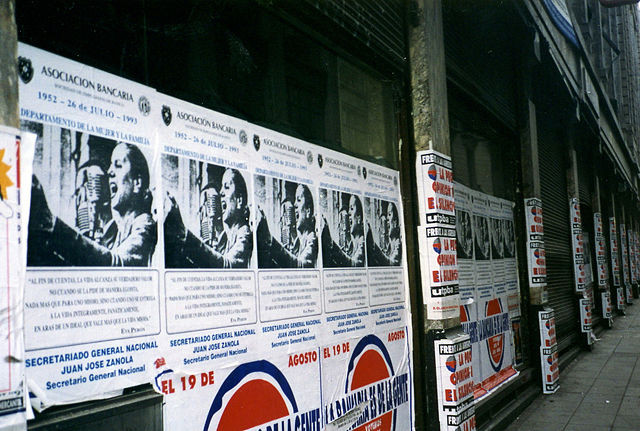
(599, 391)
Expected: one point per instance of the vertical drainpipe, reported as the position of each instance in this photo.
(8, 61)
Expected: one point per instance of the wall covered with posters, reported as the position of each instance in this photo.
(489, 290)
(225, 263)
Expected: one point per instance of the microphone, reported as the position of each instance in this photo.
(343, 229)
(287, 223)
(90, 195)
(210, 212)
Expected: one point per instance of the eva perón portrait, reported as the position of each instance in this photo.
(383, 236)
(342, 229)
(285, 223)
(482, 240)
(508, 236)
(497, 238)
(464, 233)
(206, 209)
(91, 201)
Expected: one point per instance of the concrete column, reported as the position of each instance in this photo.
(430, 114)
(8, 65)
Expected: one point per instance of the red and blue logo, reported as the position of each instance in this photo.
(253, 394)
(370, 363)
(432, 172)
(451, 364)
(437, 245)
(496, 343)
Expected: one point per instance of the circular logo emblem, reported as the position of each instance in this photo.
(451, 364)
(320, 160)
(144, 105)
(243, 137)
(166, 115)
(432, 172)
(370, 363)
(256, 142)
(437, 245)
(25, 69)
(253, 394)
(364, 172)
(495, 344)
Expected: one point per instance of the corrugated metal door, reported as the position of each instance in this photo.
(557, 237)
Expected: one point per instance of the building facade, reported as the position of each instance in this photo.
(526, 114)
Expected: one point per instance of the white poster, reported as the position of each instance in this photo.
(366, 383)
(274, 247)
(465, 243)
(510, 261)
(496, 230)
(548, 352)
(607, 308)
(280, 393)
(437, 235)
(600, 251)
(585, 315)
(624, 255)
(12, 372)
(92, 300)
(482, 246)
(613, 248)
(494, 337)
(435, 188)
(212, 257)
(537, 264)
(455, 379)
(620, 302)
(440, 275)
(577, 246)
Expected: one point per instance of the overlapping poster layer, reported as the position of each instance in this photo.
(490, 306)
(209, 256)
(13, 396)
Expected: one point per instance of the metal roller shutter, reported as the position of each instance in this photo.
(555, 206)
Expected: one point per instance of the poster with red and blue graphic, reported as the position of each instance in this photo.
(455, 378)
(366, 383)
(210, 255)
(613, 250)
(548, 351)
(577, 246)
(607, 308)
(256, 395)
(537, 264)
(494, 338)
(624, 255)
(437, 234)
(470, 326)
(600, 251)
(439, 269)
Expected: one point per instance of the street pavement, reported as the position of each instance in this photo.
(599, 390)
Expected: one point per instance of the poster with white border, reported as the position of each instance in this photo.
(13, 394)
(265, 249)
(577, 246)
(455, 380)
(92, 301)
